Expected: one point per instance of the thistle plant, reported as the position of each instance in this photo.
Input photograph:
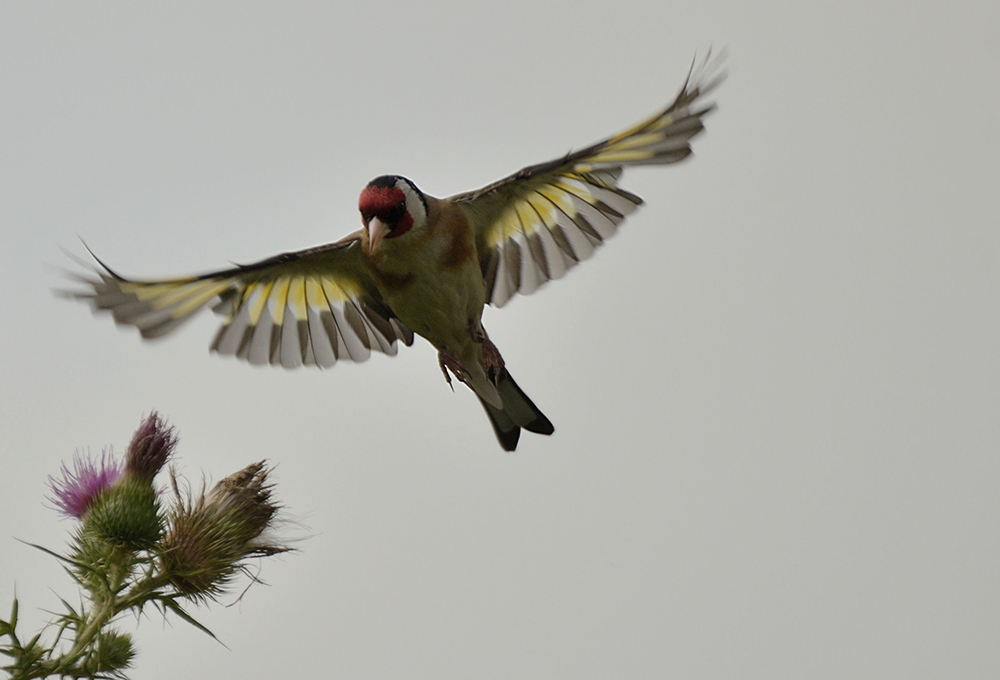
(134, 545)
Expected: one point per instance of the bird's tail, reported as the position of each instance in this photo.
(518, 411)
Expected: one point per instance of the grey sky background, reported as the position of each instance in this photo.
(776, 391)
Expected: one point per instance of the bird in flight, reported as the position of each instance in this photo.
(422, 265)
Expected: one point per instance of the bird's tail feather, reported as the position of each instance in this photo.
(518, 411)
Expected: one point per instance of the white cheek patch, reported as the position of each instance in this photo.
(414, 202)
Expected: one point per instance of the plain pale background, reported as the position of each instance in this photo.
(776, 392)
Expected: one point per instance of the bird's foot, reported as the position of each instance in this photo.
(449, 362)
(492, 362)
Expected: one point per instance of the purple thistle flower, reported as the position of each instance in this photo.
(76, 491)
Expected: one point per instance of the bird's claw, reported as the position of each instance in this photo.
(449, 364)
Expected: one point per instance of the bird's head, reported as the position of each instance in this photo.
(391, 206)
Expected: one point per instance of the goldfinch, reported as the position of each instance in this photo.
(422, 265)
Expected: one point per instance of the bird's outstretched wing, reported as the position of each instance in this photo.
(308, 307)
(537, 223)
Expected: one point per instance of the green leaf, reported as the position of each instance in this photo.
(169, 603)
(72, 612)
(34, 641)
(61, 558)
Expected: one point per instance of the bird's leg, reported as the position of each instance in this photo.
(449, 362)
(492, 362)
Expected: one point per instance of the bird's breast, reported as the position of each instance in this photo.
(438, 296)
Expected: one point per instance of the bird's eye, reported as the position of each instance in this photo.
(397, 212)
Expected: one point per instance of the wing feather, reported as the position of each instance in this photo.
(312, 307)
(538, 223)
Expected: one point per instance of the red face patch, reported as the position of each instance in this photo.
(389, 205)
(380, 202)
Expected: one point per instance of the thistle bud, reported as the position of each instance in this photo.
(150, 448)
(128, 514)
(112, 653)
(211, 536)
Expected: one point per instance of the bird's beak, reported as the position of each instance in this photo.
(376, 230)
